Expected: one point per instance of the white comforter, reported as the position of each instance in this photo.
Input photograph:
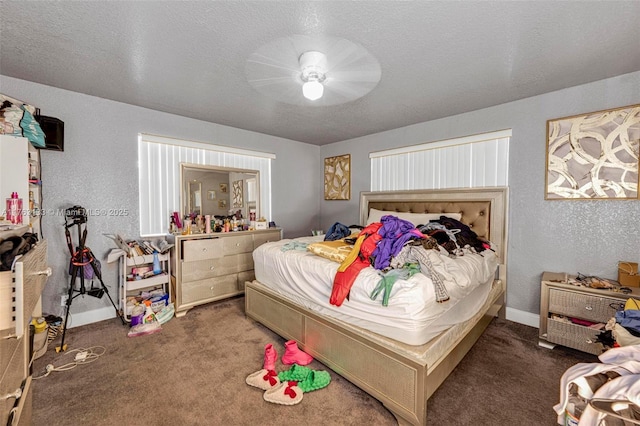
(412, 315)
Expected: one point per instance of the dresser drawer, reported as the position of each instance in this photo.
(580, 305)
(265, 237)
(574, 336)
(20, 290)
(199, 291)
(34, 277)
(238, 244)
(199, 270)
(202, 249)
(12, 377)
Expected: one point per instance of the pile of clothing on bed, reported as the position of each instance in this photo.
(399, 249)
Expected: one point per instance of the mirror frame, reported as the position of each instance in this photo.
(184, 187)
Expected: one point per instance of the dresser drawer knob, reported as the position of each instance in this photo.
(237, 244)
(588, 308)
(212, 288)
(46, 272)
(211, 268)
(17, 394)
(204, 249)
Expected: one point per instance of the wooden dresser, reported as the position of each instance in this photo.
(209, 267)
(20, 292)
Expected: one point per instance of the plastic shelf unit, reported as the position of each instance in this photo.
(138, 266)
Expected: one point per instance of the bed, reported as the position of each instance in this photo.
(400, 375)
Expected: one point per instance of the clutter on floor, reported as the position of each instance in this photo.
(605, 393)
(148, 311)
(287, 387)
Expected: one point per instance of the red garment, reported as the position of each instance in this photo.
(347, 272)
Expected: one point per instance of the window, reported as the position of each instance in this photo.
(468, 162)
(159, 161)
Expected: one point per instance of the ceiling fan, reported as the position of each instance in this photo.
(308, 70)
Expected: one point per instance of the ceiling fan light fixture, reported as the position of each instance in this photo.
(342, 71)
(312, 90)
(313, 67)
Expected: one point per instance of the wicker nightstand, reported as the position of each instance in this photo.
(558, 297)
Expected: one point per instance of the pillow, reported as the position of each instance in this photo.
(416, 218)
(336, 250)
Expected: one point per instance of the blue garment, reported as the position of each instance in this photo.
(395, 232)
(337, 231)
(629, 319)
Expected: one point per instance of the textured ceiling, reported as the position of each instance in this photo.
(437, 58)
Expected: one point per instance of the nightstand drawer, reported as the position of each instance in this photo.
(581, 305)
(574, 336)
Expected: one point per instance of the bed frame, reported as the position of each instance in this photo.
(401, 376)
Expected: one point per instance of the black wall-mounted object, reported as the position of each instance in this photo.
(53, 129)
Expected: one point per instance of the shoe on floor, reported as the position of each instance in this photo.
(296, 373)
(270, 357)
(286, 393)
(293, 355)
(314, 381)
(263, 379)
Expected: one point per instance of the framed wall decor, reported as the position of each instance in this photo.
(594, 155)
(337, 177)
(222, 204)
(237, 193)
(223, 188)
(211, 195)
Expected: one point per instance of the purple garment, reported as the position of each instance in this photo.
(395, 232)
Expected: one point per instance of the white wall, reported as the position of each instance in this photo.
(573, 236)
(98, 170)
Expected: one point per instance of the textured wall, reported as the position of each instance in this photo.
(572, 236)
(98, 170)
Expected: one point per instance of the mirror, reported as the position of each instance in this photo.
(195, 197)
(219, 191)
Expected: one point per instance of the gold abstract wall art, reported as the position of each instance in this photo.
(594, 155)
(337, 177)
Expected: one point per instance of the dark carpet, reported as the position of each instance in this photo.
(193, 373)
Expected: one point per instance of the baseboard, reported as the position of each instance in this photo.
(523, 317)
(84, 318)
(89, 317)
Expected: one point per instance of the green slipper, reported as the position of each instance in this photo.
(296, 373)
(314, 381)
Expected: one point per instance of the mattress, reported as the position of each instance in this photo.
(412, 315)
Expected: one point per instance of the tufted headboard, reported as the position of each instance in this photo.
(483, 209)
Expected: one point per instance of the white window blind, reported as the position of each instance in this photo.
(468, 162)
(159, 161)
